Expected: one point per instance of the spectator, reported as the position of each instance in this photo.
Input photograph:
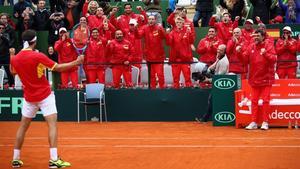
(132, 37)
(286, 48)
(90, 7)
(8, 31)
(66, 53)
(247, 31)
(261, 57)
(291, 10)
(94, 57)
(180, 39)
(96, 21)
(55, 75)
(153, 8)
(122, 22)
(225, 27)
(219, 67)
(181, 12)
(19, 7)
(41, 17)
(56, 22)
(261, 8)
(207, 47)
(171, 7)
(267, 37)
(204, 9)
(234, 7)
(25, 23)
(107, 30)
(154, 35)
(119, 52)
(72, 10)
(236, 66)
(11, 2)
(4, 53)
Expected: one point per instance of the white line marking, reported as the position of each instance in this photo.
(159, 138)
(162, 146)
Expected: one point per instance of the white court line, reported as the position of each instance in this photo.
(158, 138)
(163, 146)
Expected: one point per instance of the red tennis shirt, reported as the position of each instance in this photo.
(30, 66)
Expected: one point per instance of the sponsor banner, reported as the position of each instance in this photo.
(284, 103)
(223, 99)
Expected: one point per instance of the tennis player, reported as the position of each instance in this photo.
(30, 65)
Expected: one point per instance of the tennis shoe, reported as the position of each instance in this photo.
(16, 163)
(251, 126)
(59, 163)
(264, 126)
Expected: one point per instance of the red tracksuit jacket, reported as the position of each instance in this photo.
(208, 52)
(122, 22)
(95, 53)
(153, 49)
(235, 64)
(119, 52)
(287, 52)
(224, 29)
(66, 51)
(187, 23)
(180, 42)
(261, 67)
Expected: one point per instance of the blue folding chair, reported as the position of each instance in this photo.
(93, 95)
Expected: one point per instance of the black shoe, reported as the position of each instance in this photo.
(200, 120)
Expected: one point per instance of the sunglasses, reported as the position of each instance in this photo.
(286, 32)
(2, 28)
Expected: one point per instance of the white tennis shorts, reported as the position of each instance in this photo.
(47, 107)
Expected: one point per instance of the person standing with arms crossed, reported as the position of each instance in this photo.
(261, 57)
(30, 65)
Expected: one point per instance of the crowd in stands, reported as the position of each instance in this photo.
(119, 42)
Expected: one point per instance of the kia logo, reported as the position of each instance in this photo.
(224, 83)
(225, 117)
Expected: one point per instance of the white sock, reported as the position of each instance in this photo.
(53, 154)
(17, 153)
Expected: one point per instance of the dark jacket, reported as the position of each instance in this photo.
(261, 8)
(204, 5)
(11, 35)
(236, 9)
(41, 20)
(4, 48)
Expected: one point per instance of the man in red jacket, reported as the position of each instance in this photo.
(66, 53)
(286, 48)
(225, 27)
(261, 57)
(236, 66)
(122, 22)
(94, 57)
(207, 47)
(154, 35)
(181, 12)
(119, 52)
(180, 40)
(248, 30)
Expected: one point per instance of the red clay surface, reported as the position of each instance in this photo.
(155, 145)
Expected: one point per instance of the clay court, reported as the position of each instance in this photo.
(155, 145)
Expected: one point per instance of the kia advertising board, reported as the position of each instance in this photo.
(223, 99)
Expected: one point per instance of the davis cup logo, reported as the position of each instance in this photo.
(224, 83)
(225, 117)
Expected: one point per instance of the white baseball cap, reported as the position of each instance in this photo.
(250, 21)
(287, 28)
(133, 21)
(62, 29)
